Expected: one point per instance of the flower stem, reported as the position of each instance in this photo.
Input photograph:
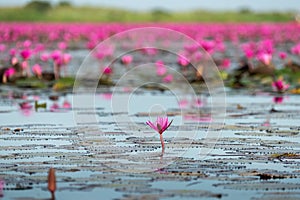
(162, 141)
(56, 71)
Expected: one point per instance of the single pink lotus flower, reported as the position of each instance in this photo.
(56, 55)
(91, 45)
(266, 123)
(9, 72)
(296, 49)
(39, 47)
(160, 125)
(220, 47)
(183, 103)
(14, 60)
(35, 98)
(66, 58)
(182, 61)
(2, 47)
(37, 70)
(265, 58)
(44, 57)
(149, 51)
(249, 53)
(197, 56)
(168, 78)
(160, 68)
(248, 49)
(208, 45)
(225, 63)
(24, 64)
(280, 86)
(107, 71)
(27, 43)
(62, 45)
(25, 106)
(127, 59)
(66, 104)
(59, 62)
(12, 52)
(54, 107)
(25, 54)
(100, 55)
(266, 46)
(282, 55)
(191, 48)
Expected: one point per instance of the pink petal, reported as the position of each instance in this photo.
(152, 125)
(165, 123)
(168, 78)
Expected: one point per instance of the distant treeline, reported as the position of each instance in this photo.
(64, 11)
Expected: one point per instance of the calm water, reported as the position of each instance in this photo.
(99, 151)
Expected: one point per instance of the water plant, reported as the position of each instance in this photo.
(160, 125)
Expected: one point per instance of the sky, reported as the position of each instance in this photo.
(181, 5)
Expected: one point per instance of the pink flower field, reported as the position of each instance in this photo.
(42, 41)
(42, 48)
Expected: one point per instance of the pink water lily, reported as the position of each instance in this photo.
(160, 125)
(280, 86)
(62, 45)
(54, 107)
(160, 68)
(37, 70)
(107, 71)
(25, 54)
(44, 57)
(25, 106)
(12, 52)
(8, 74)
(27, 44)
(127, 59)
(225, 63)
(2, 47)
(265, 58)
(282, 55)
(56, 56)
(208, 45)
(296, 49)
(248, 49)
(183, 103)
(66, 104)
(66, 58)
(182, 61)
(168, 79)
(14, 60)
